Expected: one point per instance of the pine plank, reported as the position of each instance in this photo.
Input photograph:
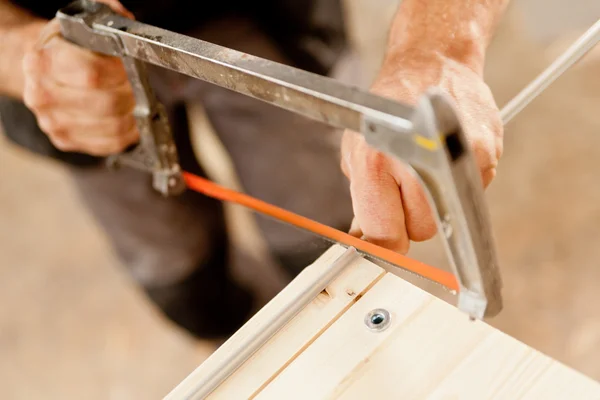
(431, 350)
(295, 337)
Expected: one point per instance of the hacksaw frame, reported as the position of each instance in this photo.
(429, 138)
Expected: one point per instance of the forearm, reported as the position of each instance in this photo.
(459, 30)
(18, 30)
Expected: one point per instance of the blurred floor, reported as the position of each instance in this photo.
(73, 326)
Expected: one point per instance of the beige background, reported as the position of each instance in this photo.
(73, 326)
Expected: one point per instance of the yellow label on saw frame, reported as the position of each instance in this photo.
(426, 143)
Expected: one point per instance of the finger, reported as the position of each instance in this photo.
(69, 64)
(72, 66)
(377, 201)
(103, 146)
(75, 66)
(95, 146)
(67, 126)
(47, 94)
(419, 218)
(355, 229)
(350, 140)
(486, 141)
(48, 32)
(488, 176)
(481, 121)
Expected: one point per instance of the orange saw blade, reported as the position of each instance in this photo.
(216, 191)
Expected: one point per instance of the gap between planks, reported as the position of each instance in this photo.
(317, 335)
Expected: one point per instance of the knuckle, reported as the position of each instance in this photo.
(488, 176)
(499, 148)
(115, 146)
(376, 165)
(376, 160)
(61, 143)
(497, 133)
(99, 151)
(392, 242)
(486, 153)
(117, 104)
(36, 96)
(371, 162)
(497, 128)
(111, 105)
(91, 76)
(103, 104)
(123, 126)
(49, 125)
(29, 99)
(402, 246)
(122, 143)
(119, 143)
(131, 139)
(497, 125)
(424, 232)
(33, 63)
(30, 64)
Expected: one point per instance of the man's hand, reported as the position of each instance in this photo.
(389, 204)
(82, 100)
(431, 43)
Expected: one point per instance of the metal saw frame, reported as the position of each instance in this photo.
(428, 137)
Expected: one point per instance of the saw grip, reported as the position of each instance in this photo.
(428, 137)
(156, 151)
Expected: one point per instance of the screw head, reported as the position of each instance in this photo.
(378, 319)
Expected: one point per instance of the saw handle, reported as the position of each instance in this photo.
(156, 153)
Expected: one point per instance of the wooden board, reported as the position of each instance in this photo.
(429, 351)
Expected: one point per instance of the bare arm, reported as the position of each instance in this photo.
(18, 30)
(81, 100)
(431, 43)
(460, 30)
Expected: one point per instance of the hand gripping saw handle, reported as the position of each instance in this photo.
(428, 137)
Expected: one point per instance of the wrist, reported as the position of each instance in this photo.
(25, 34)
(17, 39)
(431, 53)
(404, 75)
(458, 32)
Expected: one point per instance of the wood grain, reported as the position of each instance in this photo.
(296, 336)
(430, 350)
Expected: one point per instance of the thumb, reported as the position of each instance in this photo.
(419, 218)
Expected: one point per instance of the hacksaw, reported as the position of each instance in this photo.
(427, 137)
